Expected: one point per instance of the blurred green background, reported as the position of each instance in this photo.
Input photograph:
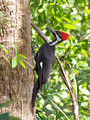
(73, 17)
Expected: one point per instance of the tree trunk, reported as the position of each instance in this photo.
(16, 83)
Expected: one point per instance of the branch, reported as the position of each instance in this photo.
(64, 76)
(41, 34)
(55, 106)
(75, 84)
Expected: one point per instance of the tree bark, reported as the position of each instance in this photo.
(16, 83)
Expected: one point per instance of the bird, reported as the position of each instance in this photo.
(44, 60)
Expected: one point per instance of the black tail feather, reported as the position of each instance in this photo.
(35, 91)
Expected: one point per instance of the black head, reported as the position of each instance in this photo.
(58, 36)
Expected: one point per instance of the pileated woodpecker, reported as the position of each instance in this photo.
(44, 59)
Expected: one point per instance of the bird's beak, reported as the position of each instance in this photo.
(53, 33)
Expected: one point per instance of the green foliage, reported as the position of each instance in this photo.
(6, 116)
(2, 28)
(2, 14)
(21, 56)
(0, 45)
(1, 22)
(15, 48)
(21, 62)
(18, 58)
(7, 60)
(14, 62)
(72, 17)
(6, 51)
(7, 103)
(14, 118)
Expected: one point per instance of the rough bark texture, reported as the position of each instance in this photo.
(16, 83)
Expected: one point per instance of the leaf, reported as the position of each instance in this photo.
(58, 19)
(22, 56)
(69, 26)
(36, 3)
(14, 62)
(7, 103)
(28, 63)
(6, 51)
(4, 116)
(2, 14)
(15, 48)
(82, 81)
(0, 46)
(21, 62)
(67, 20)
(7, 60)
(76, 2)
(14, 118)
(48, 110)
(84, 112)
(9, 23)
(88, 61)
(2, 28)
(75, 22)
(84, 53)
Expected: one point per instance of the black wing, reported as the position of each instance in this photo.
(44, 60)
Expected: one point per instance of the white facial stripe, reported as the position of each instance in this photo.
(57, 37)
(41, 64)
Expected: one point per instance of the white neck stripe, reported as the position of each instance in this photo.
(54, 43)
(58, 39)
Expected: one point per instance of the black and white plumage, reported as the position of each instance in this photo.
(44, 59)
